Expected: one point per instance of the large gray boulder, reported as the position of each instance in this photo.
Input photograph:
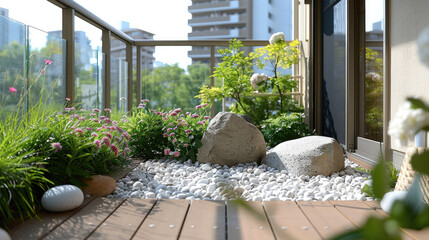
(230, 140)
(310, 156)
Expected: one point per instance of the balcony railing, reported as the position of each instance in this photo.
(105, 78)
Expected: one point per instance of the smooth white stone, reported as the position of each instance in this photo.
(4, 235)
(389, 198)
(62, 198)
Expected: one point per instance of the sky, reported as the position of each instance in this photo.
(167, 19)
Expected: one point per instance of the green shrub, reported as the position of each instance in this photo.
(76, 144)
(283, 128)
(21, 179)
(155, 134)
(146, 129)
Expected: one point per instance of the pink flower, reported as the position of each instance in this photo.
(200, 123)
(94, 134)
(48, 62)
(167, 151)
(194, 115)
(198, 107)
(88, 129)
(187, 113)
(56, 146)
(169, 129)
(174, 140)
(107, 120)
(67, 99)
(107, 110)
(178, 110)
(176, 153)
(165, 134)
(96, 110)
(93, 114)
(78, 130)
(67, 109)
(108, 135)
(101, 117)
(187, 131)
(204, 105)
(115, 149)
(42, 70)
(145, 100)
(73, 108)
(173, 114)
(98, 129)
(106, 141)
(13, 90)
(126, 135)
(98, 143)
(185, 144)
(207, 117)
(172, 134)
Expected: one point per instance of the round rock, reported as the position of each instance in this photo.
(62, 198)
(100, 186)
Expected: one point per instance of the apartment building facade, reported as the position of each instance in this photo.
(240, 19)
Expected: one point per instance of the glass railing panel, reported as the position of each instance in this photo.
(88, 77)
(118, 85)
(170, 80)
(46, 68)
(12, 64)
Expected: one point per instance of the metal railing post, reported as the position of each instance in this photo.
(129, 57)
(212, 66)
(106, 39)
(139, 75)
(68, 35)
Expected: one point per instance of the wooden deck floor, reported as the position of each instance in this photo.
(106, 218)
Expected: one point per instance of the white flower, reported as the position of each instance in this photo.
(279, 36)
(257, 78)
(407, 123)
(122, 99)
(423, 46)
(373, 76)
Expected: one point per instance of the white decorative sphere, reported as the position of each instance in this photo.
(4, 235)
(62, 198)
(390, 197)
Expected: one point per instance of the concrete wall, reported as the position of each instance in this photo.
(409, 77)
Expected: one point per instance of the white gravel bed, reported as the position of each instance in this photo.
(168, 178)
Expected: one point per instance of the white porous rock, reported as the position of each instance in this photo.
(62, 198)
(230, 140)
(309, 156)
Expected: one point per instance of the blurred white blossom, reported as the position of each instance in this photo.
(257, 78)
(279, 36)
(407, 123)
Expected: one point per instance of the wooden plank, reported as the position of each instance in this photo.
(356, 211)
(35, 229)
(125, 221)
(288, 221)
(84, 222)
(164, 221)
(247, 224)
(408, 233)
(205, 220)
(327, 220)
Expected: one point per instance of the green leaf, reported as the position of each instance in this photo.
(417, 103)
(420, 162)
(379, 182)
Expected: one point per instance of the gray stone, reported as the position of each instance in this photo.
(310, 156)
(230, 140)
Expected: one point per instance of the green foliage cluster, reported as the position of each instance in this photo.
(236, 70)
(391, 174)
(283, 128)
(156, 134)
(146, 129)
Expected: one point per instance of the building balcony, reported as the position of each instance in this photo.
(216, 6)
(209, 21)
(218, 34)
